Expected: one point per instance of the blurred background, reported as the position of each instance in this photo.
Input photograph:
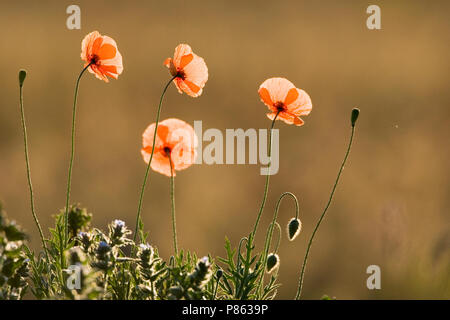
(392, 206)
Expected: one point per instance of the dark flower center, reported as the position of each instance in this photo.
(181, 74)
(94, 59)
(167, 151)
(279, 106)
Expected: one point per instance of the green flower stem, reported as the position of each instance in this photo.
(239, 251)
(270, 232)
(266, 187)
(300, 283)
(27, 161)
(172, 199)
(215, 290)
(251, 238)
(72, 154)
(141, 197)
(279, 237)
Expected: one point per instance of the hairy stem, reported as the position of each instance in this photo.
(141, 196)
(72, 154)
(27, 161)
(300, 283)
(215, 290)
(270, 232)
(266, 186)
(172, 199)
(251, 237)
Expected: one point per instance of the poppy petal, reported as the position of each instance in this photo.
(110, 69)
(167, 62)
(180, 51)
(96, 45)
(265, 96)
(107, 51)
(192, 86)
(162, 132)
(291, 96)
(298, 122)
(185, 60)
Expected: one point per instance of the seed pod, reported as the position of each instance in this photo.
(22, 76)
(354, 117)
(294, 228)
(219, 274)
(273, 261)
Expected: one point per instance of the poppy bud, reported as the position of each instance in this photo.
(294, 228)
(219, 274)
(273, 261)
(354, 117)
(22, 76)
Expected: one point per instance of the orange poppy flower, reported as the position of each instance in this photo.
(175, 139)
(190, 70)
(280, 95)
(102, 53)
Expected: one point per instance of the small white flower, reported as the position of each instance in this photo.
(118, 223)
(205, 260)
(83, 234)
(11, 246)
(145, 246)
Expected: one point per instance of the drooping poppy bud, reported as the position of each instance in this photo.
(294, 228)
(273, 261)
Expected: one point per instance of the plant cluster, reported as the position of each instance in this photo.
(14, 265)
(82, 262)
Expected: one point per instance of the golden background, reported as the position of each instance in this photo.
(392, 206)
